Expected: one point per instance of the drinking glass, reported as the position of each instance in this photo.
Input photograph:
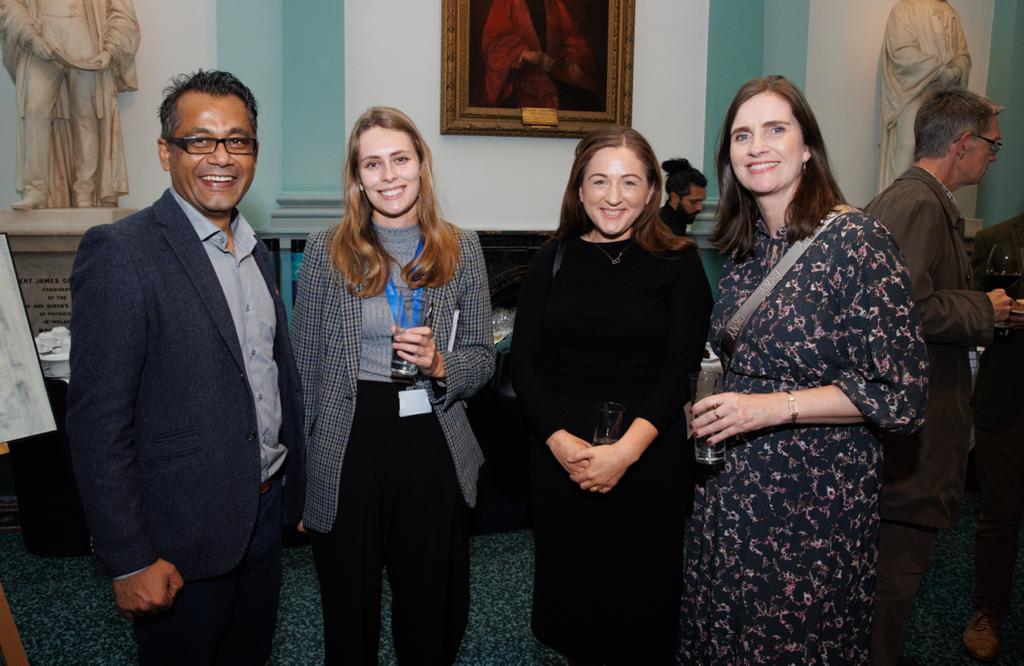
(610, 417)
(412, 311)
(1003, 271)
(703, 384)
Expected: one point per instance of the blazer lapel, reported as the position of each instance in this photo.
(443, 300)
(262, 256)
(344, 312)
(189, 249)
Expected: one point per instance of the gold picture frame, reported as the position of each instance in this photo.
(498, 77)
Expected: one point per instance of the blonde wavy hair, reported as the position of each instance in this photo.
(357, 253)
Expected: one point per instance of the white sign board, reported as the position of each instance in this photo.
(24, 407)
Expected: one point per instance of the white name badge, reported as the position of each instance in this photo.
(412, 402)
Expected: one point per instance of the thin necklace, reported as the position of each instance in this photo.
(618, 257)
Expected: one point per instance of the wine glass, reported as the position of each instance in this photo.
(1003, 271)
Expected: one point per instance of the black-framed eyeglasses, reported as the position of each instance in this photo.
(993, 146)
(206, 145)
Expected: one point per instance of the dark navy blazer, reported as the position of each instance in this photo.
(160, 415)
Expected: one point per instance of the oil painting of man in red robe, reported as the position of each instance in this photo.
(539, 53)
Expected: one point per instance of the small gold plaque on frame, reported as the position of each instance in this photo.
(535, 117)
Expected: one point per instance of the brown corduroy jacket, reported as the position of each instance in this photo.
(924, 473)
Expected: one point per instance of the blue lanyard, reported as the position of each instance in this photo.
(395, 303)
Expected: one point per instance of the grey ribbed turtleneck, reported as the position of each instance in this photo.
(375, 354)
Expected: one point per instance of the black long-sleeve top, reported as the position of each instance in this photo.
(638, 326)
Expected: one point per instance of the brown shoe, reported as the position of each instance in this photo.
(981, 637)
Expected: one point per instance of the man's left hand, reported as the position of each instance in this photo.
(152, 590)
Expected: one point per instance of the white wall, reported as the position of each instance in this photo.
(392, 55)
(177, 36)
(843, 63)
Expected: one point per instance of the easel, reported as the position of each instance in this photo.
(10, 642)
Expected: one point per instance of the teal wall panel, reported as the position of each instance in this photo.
(786, 23)
(249, 45)
(747, 39)
(735, 54)
(314, 95)
(1000, 195)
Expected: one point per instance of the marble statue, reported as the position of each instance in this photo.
(924, 50)
(68, 60)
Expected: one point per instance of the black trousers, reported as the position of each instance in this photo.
(228, 619)
(1000, 463)
(904, 556)
(399, 509)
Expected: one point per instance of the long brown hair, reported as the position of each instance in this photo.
(648, 231)
(816, 194)
(355, 249)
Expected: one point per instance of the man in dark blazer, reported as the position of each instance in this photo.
(184, 408)
(957, 136)
(998, 455)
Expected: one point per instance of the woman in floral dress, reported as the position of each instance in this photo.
(783, 542)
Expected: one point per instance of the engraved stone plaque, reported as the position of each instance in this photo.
(44, 243)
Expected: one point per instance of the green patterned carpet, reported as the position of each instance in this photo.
(66, 615)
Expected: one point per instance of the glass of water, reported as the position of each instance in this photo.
(412, 311)
(610, 418)
(703, 384)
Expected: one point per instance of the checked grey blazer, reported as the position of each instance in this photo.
(326, 327)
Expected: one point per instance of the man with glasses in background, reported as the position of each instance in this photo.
(184, 407)
(956, 136)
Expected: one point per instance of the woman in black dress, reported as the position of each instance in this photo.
(614, 308)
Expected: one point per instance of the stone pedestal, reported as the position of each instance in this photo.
(44, 243)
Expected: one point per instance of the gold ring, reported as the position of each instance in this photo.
(715, 410)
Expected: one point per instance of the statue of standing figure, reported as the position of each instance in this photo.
(924, 50)
(68, 60)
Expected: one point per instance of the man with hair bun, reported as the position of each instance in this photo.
(686, 189)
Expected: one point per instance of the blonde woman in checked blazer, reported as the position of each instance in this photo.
(391, 491)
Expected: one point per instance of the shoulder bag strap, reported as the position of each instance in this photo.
(559, 253)
(735, 325)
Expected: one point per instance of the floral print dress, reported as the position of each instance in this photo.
(782, 546)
